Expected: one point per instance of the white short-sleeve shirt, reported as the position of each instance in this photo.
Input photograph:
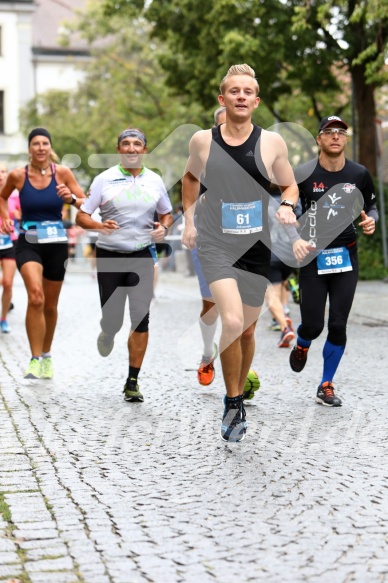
(131, 202)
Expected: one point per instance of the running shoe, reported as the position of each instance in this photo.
(289, 323)
(206, 371)
(132, 392)
(252, 384)
(234, 425)
(47, 368)
(244, 416)
(4, 327)
(105, 343)
(33, 370)
(274, 326)
(286, 336)
(326, 396)
(298, 358)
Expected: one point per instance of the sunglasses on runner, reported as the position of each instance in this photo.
(332, 131)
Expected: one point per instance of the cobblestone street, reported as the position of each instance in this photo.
(97, 490)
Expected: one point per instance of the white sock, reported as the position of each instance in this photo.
(46, 354)
(208, 333)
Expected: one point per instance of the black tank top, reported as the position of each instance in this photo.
(232, 175)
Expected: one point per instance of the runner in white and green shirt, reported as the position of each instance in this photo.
(127, 196)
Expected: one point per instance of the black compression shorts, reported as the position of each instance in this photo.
(122, 275)
(315, 290)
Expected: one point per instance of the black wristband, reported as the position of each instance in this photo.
(287, 203)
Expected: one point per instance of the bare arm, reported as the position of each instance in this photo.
(85, 221)
(160, 230)
(191, 184)
(13, 181)
(68, 185)
(284, 177)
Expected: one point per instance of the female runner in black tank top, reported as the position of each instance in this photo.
(41, 250)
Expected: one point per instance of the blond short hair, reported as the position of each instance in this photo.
(239, 70)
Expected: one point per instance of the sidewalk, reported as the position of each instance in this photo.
(97, 490)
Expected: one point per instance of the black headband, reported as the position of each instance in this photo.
(38, 132)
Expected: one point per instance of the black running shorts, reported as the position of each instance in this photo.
(8, 253)
(279, 271)
(52, 256)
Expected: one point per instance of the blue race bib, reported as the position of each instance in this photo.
(5, 241)
(51, 232)
(45, 232)
(334, 261)
(242, 218)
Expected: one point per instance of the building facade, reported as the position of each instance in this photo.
(33, 62)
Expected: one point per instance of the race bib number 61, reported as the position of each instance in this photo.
(242, 218)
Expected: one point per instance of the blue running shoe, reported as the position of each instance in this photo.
(4, 327)
(285, 338)
(234, 425)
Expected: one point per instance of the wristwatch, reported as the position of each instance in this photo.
(73, 199)
(287, 203)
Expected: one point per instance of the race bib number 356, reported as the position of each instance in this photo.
(334, 261)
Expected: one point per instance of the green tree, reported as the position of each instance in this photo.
(297, 47)
(124, 86)
(359, 31)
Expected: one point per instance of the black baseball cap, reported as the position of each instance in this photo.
(332, 119)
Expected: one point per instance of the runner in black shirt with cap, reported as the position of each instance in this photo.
(333, 192)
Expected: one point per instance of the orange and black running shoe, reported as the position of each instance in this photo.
(298, 358)
(326, 396)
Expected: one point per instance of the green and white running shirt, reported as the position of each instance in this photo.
(131, 202)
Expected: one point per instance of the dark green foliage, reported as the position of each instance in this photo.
(371, 260)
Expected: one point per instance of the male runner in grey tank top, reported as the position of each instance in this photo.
(238, 161)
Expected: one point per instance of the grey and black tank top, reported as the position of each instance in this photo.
(233, 174)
